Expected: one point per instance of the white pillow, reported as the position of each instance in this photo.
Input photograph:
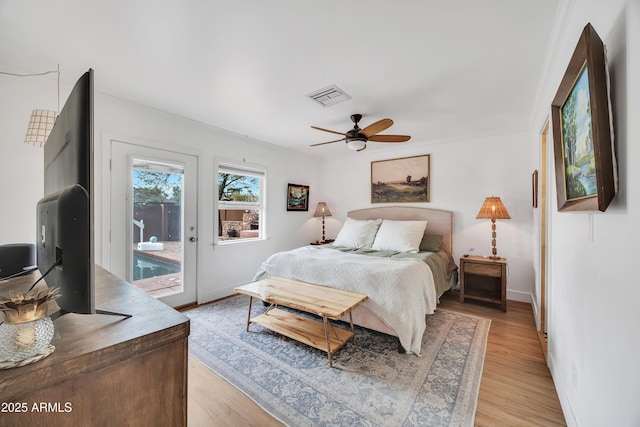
(357, 233)
(400, 236)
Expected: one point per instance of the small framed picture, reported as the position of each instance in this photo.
(297, 197)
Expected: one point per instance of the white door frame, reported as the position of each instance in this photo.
(108, 245)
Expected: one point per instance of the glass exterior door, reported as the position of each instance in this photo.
(153, 238)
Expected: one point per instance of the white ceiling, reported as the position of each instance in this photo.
(441, 69)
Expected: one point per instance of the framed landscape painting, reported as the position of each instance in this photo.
(403, 180)
(582, 131)
(297, 197)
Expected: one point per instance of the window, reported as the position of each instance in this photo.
(240, 203)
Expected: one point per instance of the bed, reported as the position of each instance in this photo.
(388, 254)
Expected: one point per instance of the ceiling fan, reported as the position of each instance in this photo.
(356, 138)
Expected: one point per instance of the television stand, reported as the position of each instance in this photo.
(103, 372)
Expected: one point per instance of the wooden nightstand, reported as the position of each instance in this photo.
(484, 279)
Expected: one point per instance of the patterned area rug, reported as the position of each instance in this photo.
(371, 383)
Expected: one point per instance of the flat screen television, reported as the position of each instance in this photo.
(65, 230)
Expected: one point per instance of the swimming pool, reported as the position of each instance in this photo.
(145, 266)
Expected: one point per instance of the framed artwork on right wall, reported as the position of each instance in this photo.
(585, 165)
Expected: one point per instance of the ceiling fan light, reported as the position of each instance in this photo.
(356, 144)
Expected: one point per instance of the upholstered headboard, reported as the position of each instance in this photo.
(439, 221)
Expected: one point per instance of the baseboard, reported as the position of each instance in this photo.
(526, 297)
(565, 402)
(519, 296)
(536, 312)
(205, 297)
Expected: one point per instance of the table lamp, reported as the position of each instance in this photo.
(322, 210)
(493, 209)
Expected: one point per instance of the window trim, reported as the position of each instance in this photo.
(247, 169)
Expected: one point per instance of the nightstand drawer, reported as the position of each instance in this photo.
(483, 269)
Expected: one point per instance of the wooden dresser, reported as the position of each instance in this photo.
(106, 370)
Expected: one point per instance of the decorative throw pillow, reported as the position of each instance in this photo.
(430, 243)
(357, 233)
(399, 236)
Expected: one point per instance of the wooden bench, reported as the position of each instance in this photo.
(328, 303)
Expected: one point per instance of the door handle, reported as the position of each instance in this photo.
(193, 239)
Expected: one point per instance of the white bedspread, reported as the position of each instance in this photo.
(401, 291)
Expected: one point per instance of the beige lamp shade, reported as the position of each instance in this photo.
(322, 210)
(493, 208)
(40, 125)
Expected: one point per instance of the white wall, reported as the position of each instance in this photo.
(222, 267)
(463, 174)
(594, 326)
(21, 171)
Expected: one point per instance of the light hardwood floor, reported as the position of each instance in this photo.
(516, 387)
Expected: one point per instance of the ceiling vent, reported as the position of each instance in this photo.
(329, 95)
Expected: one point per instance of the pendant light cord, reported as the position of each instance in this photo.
(44, 73)
(31, 75)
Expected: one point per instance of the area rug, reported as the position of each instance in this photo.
(371, 384)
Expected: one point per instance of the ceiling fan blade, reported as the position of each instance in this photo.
(328, 142)
(389, 138)
(327, 130)
(376, 127)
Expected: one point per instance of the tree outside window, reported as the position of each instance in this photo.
(239, 204)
